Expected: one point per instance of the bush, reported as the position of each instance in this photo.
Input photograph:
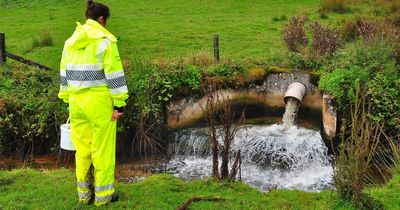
(294, 34)
(151, 88)
(342, 83)
(30, 111)
(304, 61)
(369, 30)
(349, 29)
(336, 6)
(385, 95)
(325, 40)
(192, 77)
(374, 56)
(362, 149)
(302, 56)
(372, 64)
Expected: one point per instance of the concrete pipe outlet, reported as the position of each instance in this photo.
(295, 90)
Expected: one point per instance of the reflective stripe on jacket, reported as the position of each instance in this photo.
(91, 60)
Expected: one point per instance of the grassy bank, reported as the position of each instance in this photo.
(31, 189)
(389, 194)
(248, 29)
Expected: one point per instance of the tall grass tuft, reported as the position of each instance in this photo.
(365, 153)
(336, 6)
(279, 18)
(44, 38)
(385, 7)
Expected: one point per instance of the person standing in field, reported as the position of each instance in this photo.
(93, 84)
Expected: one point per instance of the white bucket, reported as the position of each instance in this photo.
(66, 141)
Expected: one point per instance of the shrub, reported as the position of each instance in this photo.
(151, 87)
(336, 6)
(294, 34)
(373, 64)
(349, 29)
(192, 77)
(143, 122)
(325, 40)
(369, 30)
(357, 62)
(221, 123)
(361, 151)
(304, 61)
(374, 56)
(30, 111)
(341, 83)
(385, 95)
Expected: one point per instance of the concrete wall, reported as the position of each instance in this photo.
(186, 111)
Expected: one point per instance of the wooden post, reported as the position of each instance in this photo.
(216, 48)
(2, 48)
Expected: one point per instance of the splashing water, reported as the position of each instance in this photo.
(292, 106)
(272, 157)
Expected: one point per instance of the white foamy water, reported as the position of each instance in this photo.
(291, 109)
(272, 157)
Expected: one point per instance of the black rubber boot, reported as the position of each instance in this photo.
(114, 197)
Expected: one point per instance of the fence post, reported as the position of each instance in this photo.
(2, 48)
(216, 48)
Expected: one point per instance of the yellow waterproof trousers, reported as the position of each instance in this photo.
(94, 136)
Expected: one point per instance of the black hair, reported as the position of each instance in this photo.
(94, 10)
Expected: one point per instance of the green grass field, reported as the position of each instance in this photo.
(31, 189)
(151, 29)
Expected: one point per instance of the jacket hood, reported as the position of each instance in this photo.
(86, 34)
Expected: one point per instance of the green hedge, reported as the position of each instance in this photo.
(31, 113)
(373, 65)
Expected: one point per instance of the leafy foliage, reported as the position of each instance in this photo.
(361, 152)
(342, 82)
(151, 87)
(30, 111)
(385, 94)
(374, 64)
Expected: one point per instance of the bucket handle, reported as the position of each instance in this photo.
(68, 124)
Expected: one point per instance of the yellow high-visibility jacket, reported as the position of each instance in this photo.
(91, 60)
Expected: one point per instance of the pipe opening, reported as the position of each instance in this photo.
(295, 90)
